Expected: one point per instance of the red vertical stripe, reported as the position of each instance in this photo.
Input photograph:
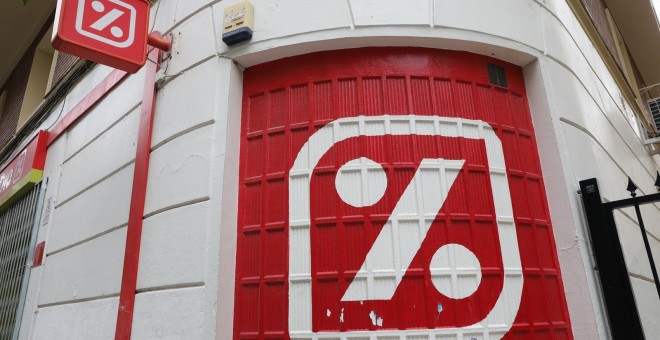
(136, 213)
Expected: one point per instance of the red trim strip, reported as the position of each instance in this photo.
(136, 213)
(42, 150)
(38, 259)
(24, 169)
(93, 97)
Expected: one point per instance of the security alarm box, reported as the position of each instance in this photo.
(238, 23)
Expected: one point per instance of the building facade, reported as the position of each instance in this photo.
(357, 170)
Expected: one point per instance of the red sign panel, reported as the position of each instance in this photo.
(392, 194)
(38, 258)
(110, 32)
(24, 170)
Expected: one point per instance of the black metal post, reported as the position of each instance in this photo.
(648, 248)
(617, 291)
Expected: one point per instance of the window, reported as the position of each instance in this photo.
(39, 79)
(3, 98)
(497, 75)
(646, 127)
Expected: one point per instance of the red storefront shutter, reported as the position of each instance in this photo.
(392, 192)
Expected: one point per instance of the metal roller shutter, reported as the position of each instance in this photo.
(392, 193)
(17, 235)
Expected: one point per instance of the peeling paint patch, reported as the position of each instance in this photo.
(375, 319)
(328, 313)
(341, 316)
(439, 308)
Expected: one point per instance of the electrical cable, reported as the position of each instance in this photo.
(59, 115)
(153, 24)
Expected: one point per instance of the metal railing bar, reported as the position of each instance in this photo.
(629, 202)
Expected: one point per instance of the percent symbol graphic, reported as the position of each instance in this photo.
(107, 19)
(109, 32)
(435, 177)
(116, 26)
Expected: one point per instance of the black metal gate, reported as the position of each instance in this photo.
(617, 290)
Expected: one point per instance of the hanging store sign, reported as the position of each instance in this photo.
(25, 170)
(109, 32)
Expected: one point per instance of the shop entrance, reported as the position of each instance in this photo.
(393, 193)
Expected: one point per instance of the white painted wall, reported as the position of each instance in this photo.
(186, 277)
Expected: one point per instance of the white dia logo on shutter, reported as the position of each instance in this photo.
(435, 175)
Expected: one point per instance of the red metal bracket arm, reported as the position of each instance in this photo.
(158, 42)
(136, 212)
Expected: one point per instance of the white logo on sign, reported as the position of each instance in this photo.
(10, 177)
(433, 175)
(108, 19)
